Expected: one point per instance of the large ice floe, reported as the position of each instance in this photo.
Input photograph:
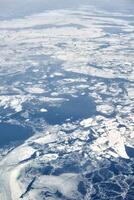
(68, 77)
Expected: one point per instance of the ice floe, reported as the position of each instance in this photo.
(105, 109)
(14, 102)
(43, 110)
(35, 90)
(50, 59)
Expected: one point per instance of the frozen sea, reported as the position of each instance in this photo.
(67, 100)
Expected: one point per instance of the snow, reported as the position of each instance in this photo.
(86, 122)
(111, 138)
(19, 154)
(48, 157)
(35, 89)
(117, 143)
(130, 93)
(14, 102)
(16, 188)
(47, 138)
(43, 110)
(97, 74)
(105, 109)
(66, 184)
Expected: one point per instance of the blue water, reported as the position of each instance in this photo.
(73, 109)
(10, 133)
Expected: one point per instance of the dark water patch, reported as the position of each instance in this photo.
(74, 109)
(130, 151)
(111, 186)
(5, 112)
(47, 170)
(13, 133)
(96, 178)
(82, 188)
(113, 168)
(67, 168)
(105, 174)
(58, 194)
(119, 167)
(130, 196)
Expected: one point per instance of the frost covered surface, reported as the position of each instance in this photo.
(70, 77)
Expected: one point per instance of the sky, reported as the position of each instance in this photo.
(17, 9)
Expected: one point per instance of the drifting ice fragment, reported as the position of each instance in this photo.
(117, 143)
